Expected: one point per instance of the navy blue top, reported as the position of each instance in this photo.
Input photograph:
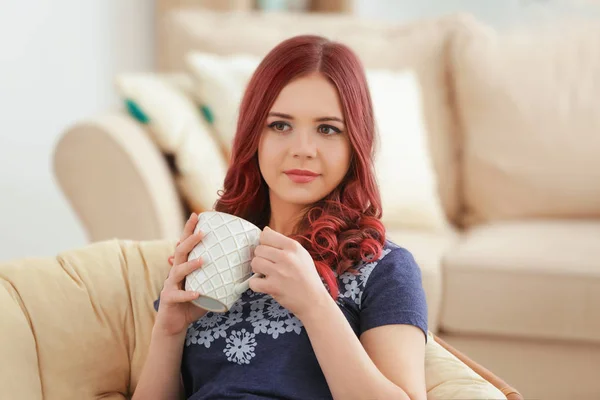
(259, 350)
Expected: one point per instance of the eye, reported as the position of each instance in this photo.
(279, 126)
(328, 129)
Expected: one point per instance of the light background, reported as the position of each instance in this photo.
(57, 63)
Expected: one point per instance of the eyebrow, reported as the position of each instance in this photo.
(321, 119)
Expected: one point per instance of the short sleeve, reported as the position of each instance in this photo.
(394, 294)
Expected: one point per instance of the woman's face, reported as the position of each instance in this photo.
(304, 151)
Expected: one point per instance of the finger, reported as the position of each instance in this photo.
(260, 285)
(268, 252)
(262, 266)
(188, 228)
(170, 259)
(182, 270)
(275, 239)
(183, 250)
(180, 296)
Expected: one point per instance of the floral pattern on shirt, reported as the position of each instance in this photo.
(266, 317)
(352, 284)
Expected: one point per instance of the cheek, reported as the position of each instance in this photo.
(266, 156)
(261, 155)
(338, 160)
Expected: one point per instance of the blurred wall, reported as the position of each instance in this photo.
(57, 62)
(498, 13)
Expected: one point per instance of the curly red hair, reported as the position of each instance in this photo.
(343, 228)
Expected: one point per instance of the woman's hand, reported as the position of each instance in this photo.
(290, 274)
(175, 311)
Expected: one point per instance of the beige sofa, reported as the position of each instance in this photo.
(78, 325)
(513, 123)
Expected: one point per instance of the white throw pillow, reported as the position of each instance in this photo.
(404, 168)
(220, 82)
(177, 127)
(405, 173)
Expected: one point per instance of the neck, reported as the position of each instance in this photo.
(284, 216)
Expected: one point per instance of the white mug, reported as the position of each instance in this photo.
(227, 250)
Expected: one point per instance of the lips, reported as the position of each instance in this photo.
(301, 175)
(301, 172)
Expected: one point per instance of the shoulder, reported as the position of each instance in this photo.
(395, 266)
(395, 261)
(398, 259)
(395, 253)
(393, 292)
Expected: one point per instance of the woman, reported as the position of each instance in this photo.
(340, 312)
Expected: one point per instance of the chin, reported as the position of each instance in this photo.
(299, 197)
(300, 200)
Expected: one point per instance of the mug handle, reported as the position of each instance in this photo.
(243, 286)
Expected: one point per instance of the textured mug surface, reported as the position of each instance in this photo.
(227, 250)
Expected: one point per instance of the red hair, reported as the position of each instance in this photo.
(343, 228)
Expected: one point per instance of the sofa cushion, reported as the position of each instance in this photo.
(421, 46)
(79, 324)
(180, 131)
(428, 249)
(528, 105)
(538, 279)
(539, 369)
(219, 84)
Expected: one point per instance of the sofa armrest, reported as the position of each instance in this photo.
(19, 368)
(117, 181)
(508, 391)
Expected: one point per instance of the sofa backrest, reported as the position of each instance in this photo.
(512, 119)
(529, 109)
(421, 46)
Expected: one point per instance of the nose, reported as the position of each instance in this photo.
(303, 144)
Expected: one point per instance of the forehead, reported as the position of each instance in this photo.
(311, 95)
